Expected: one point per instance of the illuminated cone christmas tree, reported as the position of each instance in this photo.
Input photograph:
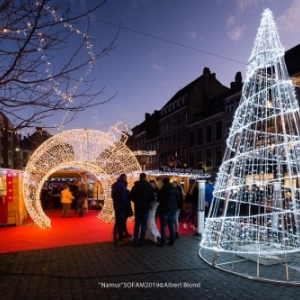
(256, 200)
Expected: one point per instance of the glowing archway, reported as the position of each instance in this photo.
(103, 154)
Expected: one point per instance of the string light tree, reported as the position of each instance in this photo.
(253, 224)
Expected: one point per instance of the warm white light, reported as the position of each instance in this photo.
(105, 155)
(144, 152)
(68, 96)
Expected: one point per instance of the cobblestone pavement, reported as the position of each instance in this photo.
(108, 271)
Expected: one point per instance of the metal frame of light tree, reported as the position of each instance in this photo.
(255, 211)
(105, 155)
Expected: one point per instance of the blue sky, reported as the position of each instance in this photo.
(171, 49)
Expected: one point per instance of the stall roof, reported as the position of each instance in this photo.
(179, 174)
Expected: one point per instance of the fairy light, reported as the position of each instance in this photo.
(174, 173)
(258, 185)
(144, 152)
(105, 155)
(68, 96)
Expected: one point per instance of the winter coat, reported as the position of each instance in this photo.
(168, 198)
(142, 194)
(119, 195)
(66, 196)
(81, 194)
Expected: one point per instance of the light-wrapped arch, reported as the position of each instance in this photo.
(105, 155)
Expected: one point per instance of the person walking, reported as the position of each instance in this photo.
(119, 195)
(142, 195)
(81, 197)
(168, 198)
(66, 201)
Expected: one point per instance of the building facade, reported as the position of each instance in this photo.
(145, 139)
(184, 108)
(9, 145)
(194, 124)
(30, 143)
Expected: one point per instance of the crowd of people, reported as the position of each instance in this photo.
(144, 193)
(65, 196)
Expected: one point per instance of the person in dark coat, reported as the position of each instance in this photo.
(179, 208)
(119, 195)
(169, 200)
(129, 213)
(55, 196)
(74, 189)
(142, 194)
(45, 197)
(81, 197)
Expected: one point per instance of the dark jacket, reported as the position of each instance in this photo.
(81, 194)
(193, 195)
(142, 194)
(168, 198)
(180, 203)
(119, 194)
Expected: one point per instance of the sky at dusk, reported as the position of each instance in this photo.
(163, 45)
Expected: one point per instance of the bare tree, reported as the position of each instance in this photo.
(43, 71)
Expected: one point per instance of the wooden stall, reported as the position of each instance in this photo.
(12, 206)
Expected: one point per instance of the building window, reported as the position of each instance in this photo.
(230, 109)
(208, 158)
(208, 134)
(192, 138)
(199, 160)
(184, 118)
(219, 131)
(184, 135)
(200, 136)
(179, 137)
(192, 160)
(174, 139)
(219, 155)
(228, 126)
(175, 122)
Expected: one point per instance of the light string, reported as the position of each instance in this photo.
(66, 96)
(256, 205)
(105, 155)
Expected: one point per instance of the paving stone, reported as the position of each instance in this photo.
(148, 272)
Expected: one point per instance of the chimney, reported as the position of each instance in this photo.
(206, 74)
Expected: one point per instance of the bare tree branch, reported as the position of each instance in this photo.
(45, 61)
